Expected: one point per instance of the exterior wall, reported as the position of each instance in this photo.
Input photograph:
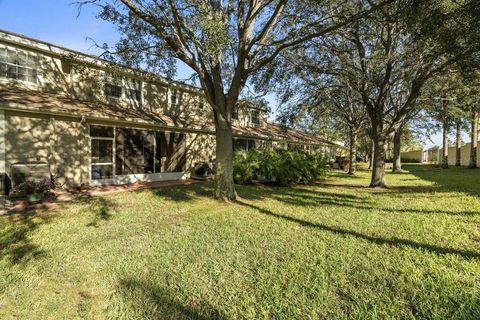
(413, 155)
(61, 143)
(27, 138)
(70, 152)
(200, 148)
(244, 119)
(464, 155)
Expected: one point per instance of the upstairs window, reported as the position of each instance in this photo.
(113, 86)
(121, 87)
(235, 113)
(201, 103)
(174, 97)
(17, 64)
(133, 89)
(255, 117)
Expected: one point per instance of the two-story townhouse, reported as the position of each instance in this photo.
(90, 122)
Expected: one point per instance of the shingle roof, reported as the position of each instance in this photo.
(52, 103)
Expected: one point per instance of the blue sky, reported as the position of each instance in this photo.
(56, 21)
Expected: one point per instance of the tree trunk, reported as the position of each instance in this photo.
(378, 165)
(458, 147)
(353, 152)
(370, 160)
(224, 186)
(474, 140)
(445, 146)
(397, 161)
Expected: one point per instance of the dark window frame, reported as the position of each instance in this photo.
(235, 113)
(174, 97)
(255, 117)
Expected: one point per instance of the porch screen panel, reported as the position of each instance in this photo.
(243, 144)
(101, 151)
(134, 151)
(149, 152)
(171, 151)
(239, 144)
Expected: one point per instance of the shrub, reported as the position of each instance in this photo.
(281, 166)
(246, 166)
(408, 160)
(30, 187)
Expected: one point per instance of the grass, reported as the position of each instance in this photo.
(337, 250)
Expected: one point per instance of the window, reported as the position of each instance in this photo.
(101, 152)
(113, 86)
(243, 144)
(121, 87)
(17, 64)
(235, 113)
(255, 117)
(173, 97)
(201, 103)
(113, 90)
(133, 89)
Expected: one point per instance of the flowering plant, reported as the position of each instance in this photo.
(32, 187)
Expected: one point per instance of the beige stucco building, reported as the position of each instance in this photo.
(413, 155)
(434, 155)
(89, 122)
(452, 153)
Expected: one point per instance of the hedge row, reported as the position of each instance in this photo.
(280, 166)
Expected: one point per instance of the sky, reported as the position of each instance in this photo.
(58, 22)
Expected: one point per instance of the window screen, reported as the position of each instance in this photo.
(134, 151)
(172, 152)
(101, 131)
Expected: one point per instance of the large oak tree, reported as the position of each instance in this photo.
(224, 42)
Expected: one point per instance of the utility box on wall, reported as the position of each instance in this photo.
(22, 172)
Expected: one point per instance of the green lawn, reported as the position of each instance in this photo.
(335, 251)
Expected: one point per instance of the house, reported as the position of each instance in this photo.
(89, 122)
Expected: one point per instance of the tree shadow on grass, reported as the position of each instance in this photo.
(185, 193)
(302, 196)
(15, 243)
(148, 301)
(467, 254)
(100, 208)
(314, 198)
(454, 179)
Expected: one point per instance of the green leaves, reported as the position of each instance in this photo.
(215, 31)
(281, 166)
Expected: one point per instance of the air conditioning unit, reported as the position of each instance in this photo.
(22, 172)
